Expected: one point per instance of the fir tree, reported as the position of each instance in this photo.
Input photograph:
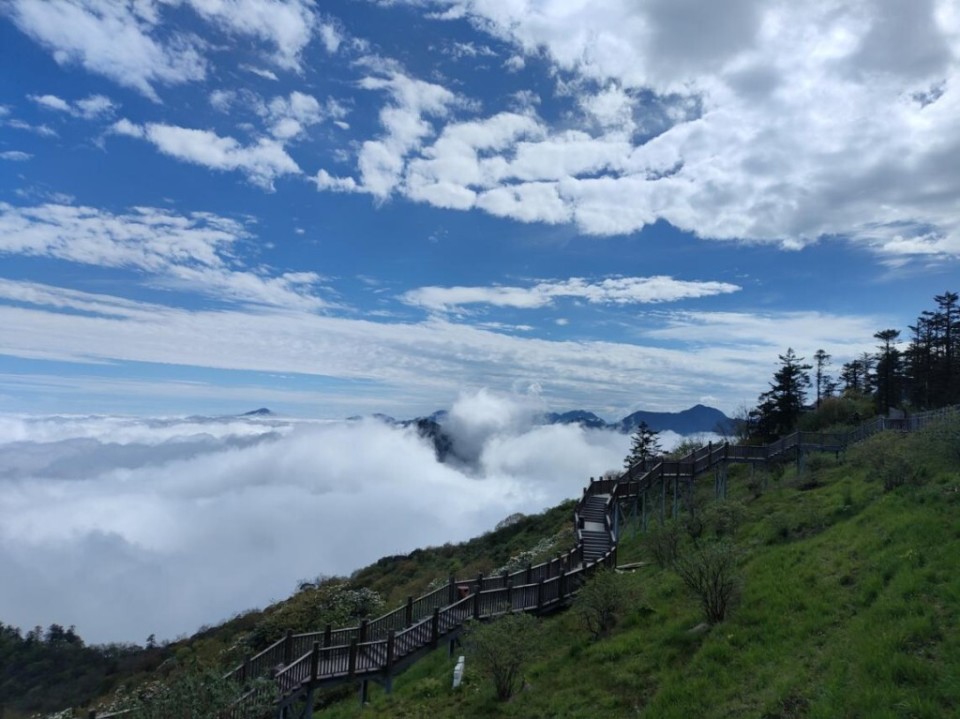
(645, 445)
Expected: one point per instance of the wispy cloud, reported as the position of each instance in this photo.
(612, 290)
(189, 252)
(90, 107)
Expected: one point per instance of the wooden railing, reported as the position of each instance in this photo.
(374, 648)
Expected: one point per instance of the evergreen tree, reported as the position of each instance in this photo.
(822, 359)
(889, 371)
(781, 405)
(645, 445)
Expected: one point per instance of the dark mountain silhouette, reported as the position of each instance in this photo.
(689, 421)
(576, 416)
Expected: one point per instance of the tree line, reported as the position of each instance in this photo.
(924, 374)
(43, 670)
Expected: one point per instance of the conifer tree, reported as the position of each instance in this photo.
(645, 445)
(781, 405)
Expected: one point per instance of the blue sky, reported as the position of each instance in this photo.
(357, 206)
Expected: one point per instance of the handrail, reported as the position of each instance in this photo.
(372, 648)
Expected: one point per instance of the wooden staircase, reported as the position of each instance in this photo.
(595, 536)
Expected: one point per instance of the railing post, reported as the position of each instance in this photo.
(288, 648)
(435, 627)
(480, 580)
(245, 669)
(408, 618)
(476, 601)
(327, 632)
(391, 640)
(540, 594)
(352, 659)
(508, 586)
(452, 592)
(529, 575)
(315, 662)
(562, 584)
(362, 633)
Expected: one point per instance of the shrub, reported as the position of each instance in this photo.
(724, 518)
(600, 602)
(888, 457)
(662, 541)
(196, 693)
(710, 570)
(500, 649)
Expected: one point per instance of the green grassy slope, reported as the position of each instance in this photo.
(848, 608)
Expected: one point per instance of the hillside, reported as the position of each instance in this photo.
(848, 598)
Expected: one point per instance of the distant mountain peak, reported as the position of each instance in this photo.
(262, 412)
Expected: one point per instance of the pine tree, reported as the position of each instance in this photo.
(822, 359)
(781, 405)
(889, 371)
(645, 445)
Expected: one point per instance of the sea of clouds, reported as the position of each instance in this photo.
(127, 527)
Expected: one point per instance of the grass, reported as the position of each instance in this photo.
(849, 604)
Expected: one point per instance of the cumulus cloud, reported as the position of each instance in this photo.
(112, 39)
(135, 46)
(286, 25)
(381, 161)
(289, 117)
(612, 290)
(767, 122)
(262, 162)
(159, 526)
(189, 252)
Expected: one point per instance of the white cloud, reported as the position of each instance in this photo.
(262, 162)
(668, 358)
(612, 290)
(124, 127)
(42, 130)
(287, 25)
(381, 161)
(122, 510)
(90, 107)
(771, 122)
(133, 44)
(221, 100)
(186, 252)
(15, 155)
(291, 116)
(330, 36)
(51, 102)
(262, 72)
(112, 39)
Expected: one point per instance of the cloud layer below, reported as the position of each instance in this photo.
(161, 525)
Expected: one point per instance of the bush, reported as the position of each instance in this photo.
(724, 518)
(500, 648)
(196, 693)
(600, 602)
(710, 570)
(888, 457)
(662, 541)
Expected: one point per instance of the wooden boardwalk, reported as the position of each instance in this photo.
(300, 664)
